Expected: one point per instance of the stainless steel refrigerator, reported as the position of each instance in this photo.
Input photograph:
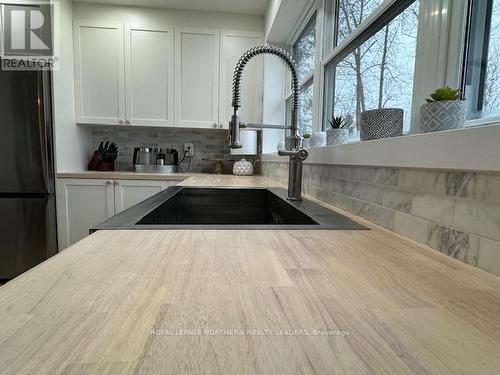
(28, 233)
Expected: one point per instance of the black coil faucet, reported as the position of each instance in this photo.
(234, 126)
(297, 155)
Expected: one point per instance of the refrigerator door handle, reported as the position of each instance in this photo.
(42, 130)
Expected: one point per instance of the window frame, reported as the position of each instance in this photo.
(477, 88)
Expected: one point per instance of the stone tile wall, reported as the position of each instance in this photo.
(457, 213)
(207, 143)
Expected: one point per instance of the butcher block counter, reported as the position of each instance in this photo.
(250, 302)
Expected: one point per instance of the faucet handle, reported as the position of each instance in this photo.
(301, 154)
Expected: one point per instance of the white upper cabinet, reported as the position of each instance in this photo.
(149, 76)
(99, 72)
(233, 45)
(196, 77)
(162, 76)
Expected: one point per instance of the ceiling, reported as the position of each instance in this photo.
(253, 7)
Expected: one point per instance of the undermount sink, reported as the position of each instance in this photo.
(226, 208)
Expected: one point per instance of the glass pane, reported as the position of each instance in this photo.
(483, 66)
(306, 110)
(304, 49)
(351, 13)
(377, 74)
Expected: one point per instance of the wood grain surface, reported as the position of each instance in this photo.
(250, 302)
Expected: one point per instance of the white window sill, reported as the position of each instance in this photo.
(472, 148)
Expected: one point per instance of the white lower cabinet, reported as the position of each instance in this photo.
(83, 203)
(131, 192)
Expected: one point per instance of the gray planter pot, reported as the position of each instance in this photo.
(337, 136)
(445, 115)
(381, 123)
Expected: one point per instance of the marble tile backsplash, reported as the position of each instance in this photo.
(208, 143)
(457, 213)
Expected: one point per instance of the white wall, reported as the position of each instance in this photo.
(137, 15)
(271, 12)
(73, 144)
(273, 107)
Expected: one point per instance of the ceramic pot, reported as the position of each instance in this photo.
(306, 143)
(381, 123)
(317, 140)
(443, 115)
(243, 168)
(337, 136)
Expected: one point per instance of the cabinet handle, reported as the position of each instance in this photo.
(215, 124)
(221, 125)
(117, 183)
(127, 121)
(108, 182)
(120, 121)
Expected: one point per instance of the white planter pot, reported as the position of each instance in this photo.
(306, 144)
(317, 139)
(337, 136)
(444, 115)
(381, 123)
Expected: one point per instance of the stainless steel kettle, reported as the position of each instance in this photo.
(143, 156)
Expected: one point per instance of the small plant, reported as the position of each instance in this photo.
(306, 135)
(444, 93)
(337, 122)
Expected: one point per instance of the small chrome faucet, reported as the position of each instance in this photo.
(295, 152)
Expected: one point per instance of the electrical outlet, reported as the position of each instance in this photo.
(189, 149)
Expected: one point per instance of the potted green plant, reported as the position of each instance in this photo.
(338, 133)
(444, 110)
(305, 143)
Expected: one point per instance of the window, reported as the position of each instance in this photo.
(375, 70)
(304, 50)
(351, 13)
(305, 119)
(304, 54)
(482, 86)
(305, 115)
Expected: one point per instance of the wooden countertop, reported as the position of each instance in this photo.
(250, 302)
(122, 175)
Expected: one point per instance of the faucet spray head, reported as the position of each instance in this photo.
(234, 131)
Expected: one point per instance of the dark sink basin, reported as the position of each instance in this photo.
(226, 208)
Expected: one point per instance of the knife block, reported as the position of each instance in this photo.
(98, 164)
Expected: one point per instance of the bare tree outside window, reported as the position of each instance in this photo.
(305, 120)
(352, 13)
(379, 73)
(304, 49)
(304, 54)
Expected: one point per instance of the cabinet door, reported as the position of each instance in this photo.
(81, 204)
(130, 192)
(233, 45)
(149, 76)
(99, 73)
(197, 77)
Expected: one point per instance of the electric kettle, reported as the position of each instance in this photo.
(143, 156)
